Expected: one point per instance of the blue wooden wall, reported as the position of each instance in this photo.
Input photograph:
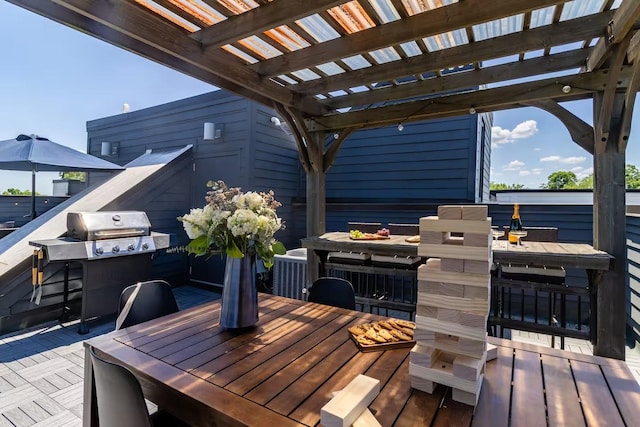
(633, 277)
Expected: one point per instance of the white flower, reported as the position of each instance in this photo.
(243, 222)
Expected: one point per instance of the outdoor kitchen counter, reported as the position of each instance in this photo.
(282, 372)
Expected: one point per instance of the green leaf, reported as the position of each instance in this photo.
(199, 246)
(233, 251)
(278, 248)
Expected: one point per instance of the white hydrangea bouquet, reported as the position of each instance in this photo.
(235, 223)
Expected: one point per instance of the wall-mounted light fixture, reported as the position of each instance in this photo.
(213, 131)
(109, 149)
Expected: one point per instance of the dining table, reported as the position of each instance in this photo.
(285, 369)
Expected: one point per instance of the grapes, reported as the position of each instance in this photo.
(356, 234)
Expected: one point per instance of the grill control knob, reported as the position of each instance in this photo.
(131, 247)
(115, 249)
(99, 251)
(145, 246)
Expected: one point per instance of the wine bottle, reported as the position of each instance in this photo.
(516, 224)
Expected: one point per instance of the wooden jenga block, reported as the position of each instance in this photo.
(477, 267)
(460, 252)
(447, 315)
(433, 237)
(452, 290)
(450, 344)
(468, 368)
(428, 287)
(442, 373)
(466, 397)
(452, 265)
(454, 303)
(422, 335)
(422, 384)
(423, 355)
(435, 325)
(426, 310)
(450, 212)
(431, 271)
(366, 419)
(477, 240)
(474, 212)
(492, 352)
(472, 345)
(476, 292)
(474, 319)
(433, 223)
(350, 402)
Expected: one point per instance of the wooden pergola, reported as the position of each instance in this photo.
(398, 61)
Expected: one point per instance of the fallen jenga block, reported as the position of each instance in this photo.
(450, 212)
(423, 355)
(366, 419)
(347, 405)
(474, 212)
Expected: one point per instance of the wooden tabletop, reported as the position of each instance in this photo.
(569, 255)
(283, 371)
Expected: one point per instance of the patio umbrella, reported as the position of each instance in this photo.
(34, 153)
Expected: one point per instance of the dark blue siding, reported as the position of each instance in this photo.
(633, 277)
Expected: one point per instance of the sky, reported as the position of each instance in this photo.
(54, 79)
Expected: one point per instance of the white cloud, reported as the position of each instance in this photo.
(537, 149)
(523, 130)
(583, 173)
(525, 173)
(536, 171)
(565, 160)
(577, 169)
(514, 165)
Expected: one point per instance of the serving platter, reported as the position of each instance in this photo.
(370, 236)
(380, 346)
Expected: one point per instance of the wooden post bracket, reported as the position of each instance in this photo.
(302, 148)
(332, 151)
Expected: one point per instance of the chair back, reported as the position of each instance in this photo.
(118, 395)
(538, 234)
(151, 300)
(333, 291)
(365, 227)
(404, 229)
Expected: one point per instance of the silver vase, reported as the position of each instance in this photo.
(239, 295)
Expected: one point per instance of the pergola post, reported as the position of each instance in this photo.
(609, 227)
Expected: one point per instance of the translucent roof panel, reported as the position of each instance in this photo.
(336, 93)
(330, 68)
(238, 6)
(411, 48)
(359, 89)
(578, 8)
(446, 40)
(385, 10)
(414, 7)
(287, 79)
(385, 55)
(351, 17)
(541, 17)
(499, 27)
(287, 38)
(201, 10)
(356, 62)
(168, 15)
(565, 47)
(318, 28)
(260, 47)
(240, 54)
(306, 74)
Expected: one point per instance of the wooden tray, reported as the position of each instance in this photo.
(381, 346)
(370, 237)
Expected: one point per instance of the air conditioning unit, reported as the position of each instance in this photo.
(290, 274)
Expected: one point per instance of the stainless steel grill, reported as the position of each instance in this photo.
(115, 249)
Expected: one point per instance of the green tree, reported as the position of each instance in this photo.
(16, 192)
(80, 176)
(586, 182)
(502, 186)
(560, 180)
(632, 176)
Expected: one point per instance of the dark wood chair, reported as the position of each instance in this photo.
(404, 229)
(145, 301)
(333, 291)
(365, 227)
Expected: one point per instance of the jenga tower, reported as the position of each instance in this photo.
(453, 302)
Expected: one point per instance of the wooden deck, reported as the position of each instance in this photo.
(41, 369)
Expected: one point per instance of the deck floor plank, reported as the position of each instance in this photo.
(527, 402)
(562, 396)
(597, 403)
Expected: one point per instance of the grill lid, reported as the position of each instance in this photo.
(107, 225)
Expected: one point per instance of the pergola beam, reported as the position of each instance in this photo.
(464, 80)
(429, 23)
(149, 29)
(260, 19)
(528, 40)
(581, 132)
(581, 86)
(616, 31)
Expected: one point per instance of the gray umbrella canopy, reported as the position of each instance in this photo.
(34, 153)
